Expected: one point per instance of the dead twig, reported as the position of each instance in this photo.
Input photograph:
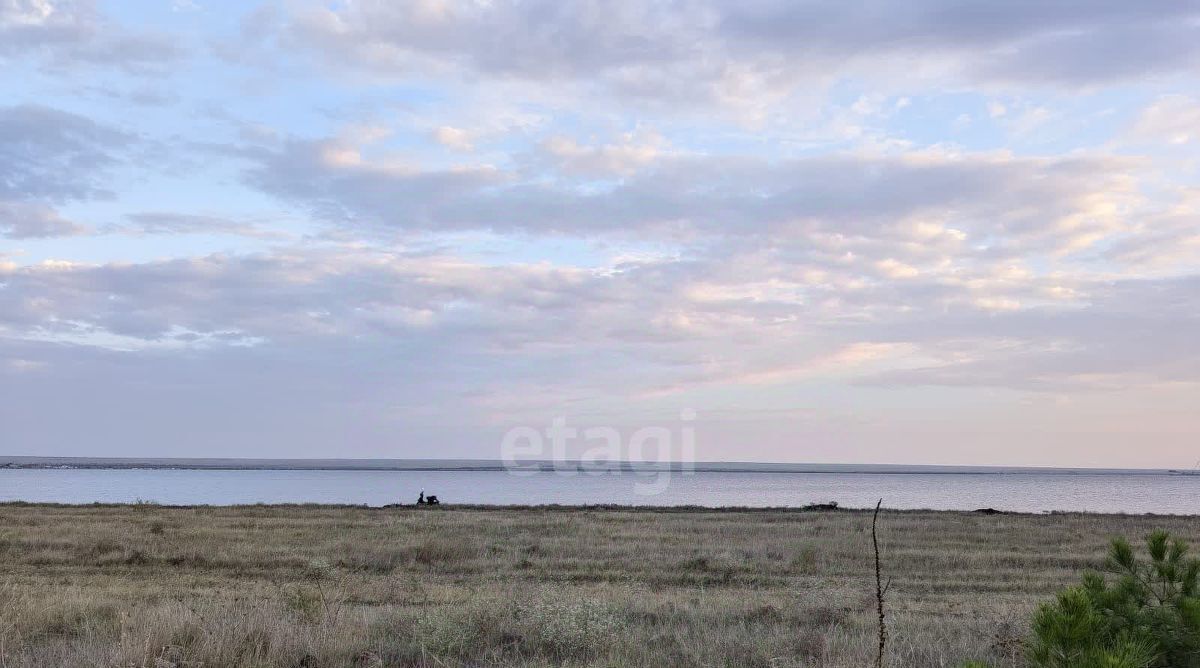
(880, 588)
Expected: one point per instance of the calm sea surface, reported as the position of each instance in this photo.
(1031, 492)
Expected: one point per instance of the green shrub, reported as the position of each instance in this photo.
(1148, 616)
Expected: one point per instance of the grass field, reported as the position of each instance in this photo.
(306, 586)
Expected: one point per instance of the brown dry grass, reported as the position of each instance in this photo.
(293, 586)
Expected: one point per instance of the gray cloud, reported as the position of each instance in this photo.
(26, 24)
(715, 51)
(290, 296)
(535, 39)
(447, 349)
(50, 157)
(169, 222)
(1077, 42)
(34, 221)
(397, 339)
(723, 318)
(329, 178)
(54, 155)
(1130, 333)
(1010, 203)
(73, 33)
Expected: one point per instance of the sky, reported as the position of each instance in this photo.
(934, 232)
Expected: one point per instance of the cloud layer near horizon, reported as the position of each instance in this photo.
(931, 233)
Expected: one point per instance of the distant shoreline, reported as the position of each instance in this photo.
(470, 465)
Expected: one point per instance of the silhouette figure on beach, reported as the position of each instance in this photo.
(430, 500)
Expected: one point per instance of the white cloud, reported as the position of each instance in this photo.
(1173, 119)
(631, 152)
(455, 138)
(893, 268)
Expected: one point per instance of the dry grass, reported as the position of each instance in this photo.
(293, 586)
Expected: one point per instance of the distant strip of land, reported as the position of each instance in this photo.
(236, 464)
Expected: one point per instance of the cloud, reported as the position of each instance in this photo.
(333, 179)
(33, 23)
(631, 152)
(455, 138)
(33, 221)
(166, 222)
(1151, 40)
(277, 297)
(535, 40)
(687, 321)
(532, 208)
(69, 34)
(1124, 334)
(893, 268)
(1172, 119)
(51, 157)
(393, 337)
(748, 53)
(1167, 239)
(1061, 204)
(55, 155)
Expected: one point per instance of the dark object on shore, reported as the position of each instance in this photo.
(430, 500)
(989, 511)
(832, 505)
